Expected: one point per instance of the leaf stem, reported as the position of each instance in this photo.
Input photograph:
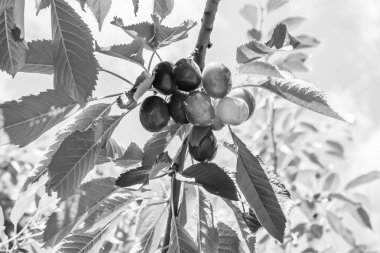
(273, 136)
(203, 41)
(151, 59)
(247, 86)
(117, 75)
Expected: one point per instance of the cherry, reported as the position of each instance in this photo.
(216, 79)
(177, 107)
(187, 74)
(202, 144)
(232, 110)
(198, 109)
(247, 97)
(154, 114)
(164, 80)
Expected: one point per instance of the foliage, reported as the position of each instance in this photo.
(77, 209)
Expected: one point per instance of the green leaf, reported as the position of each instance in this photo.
(74, 210)
(180, 239)
(363, 179)
(247, 223)
(337, 225)
(111, 152)
(158, 143)
(6, 4)
(42, 4)
(250, 13)
(75, 66)
(295, 62)
(156, 35)
(331, 183)
(275, 4)
(258, 191)
(77, 155)
(135, 6)
(255, 34)
(12, 49)
(261, 68)
(316, 231)
(134, 176)
(100, 9)
(163, 7)
(282, 39)
(79, 242)
(364, 217)
(39, 58)
(213, 178)
(307, 41)
(80, 123)
(131, 156)
(336, 148)
(291, 23)
(228, 239)
(132, 52)
(208, 237)
(305, 95)
(23, 121)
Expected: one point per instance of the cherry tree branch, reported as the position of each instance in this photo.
(203, 41)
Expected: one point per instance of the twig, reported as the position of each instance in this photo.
(151, 59)
(273, 137)
(203, 41)
(117, 75)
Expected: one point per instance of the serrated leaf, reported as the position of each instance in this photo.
(257, 189)
(134, 176)
(305, 95)
(42, 4)
(281, 38)
(261, 68)
(130, 52)
(87, 242)
(213, 178)
(337, 225)
(250, 13)
(180, 239)
(156, 35)
(363, 179)
(307, 41)
(23, 121)
(163, 7)
(247, 227)
(76, 208)
(228, 239)
(131, 156)
(39, 58)
(295, 62)
(163, 161)
(111, 152)
(275, 4)
(135, 6)
(75, 68)
(291, 23)
(77, 155)
(80, 123)
(208, 237)
(12, 50)
(6, 4)
(158, 143)
(100, 9)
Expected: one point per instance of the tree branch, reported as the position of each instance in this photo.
(203, 41)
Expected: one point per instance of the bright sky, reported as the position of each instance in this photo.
(345, 65)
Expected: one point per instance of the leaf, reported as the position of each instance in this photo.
(248, 225)
(39, 58)
(340, 229)
(257, 189)
(275, 4)
(6, 4)
(100, 9)
(364, 217)
(134, 176)
(331, 183)
(76, 208)
(343, 198)
(132, 52)
(42, 4)
(111, 152)
(12, 50)
(363, 179)
(336, 148)
(295, 62)
(307, 41)
(282, 39)
(260, 68)
(213, 178)
(254, 34)
(250, 13)
(158, 143)
(305, 95)
(156, 35)
(316, 230)
(80, 123)
(293, 22)
(88, 242)
(180, 239)
(251, 51)
(77, 155)
(135, 6)
(131, 156)
(163, 7)
(208, 237)
(75, 68)
(23, 121)
(228, 239)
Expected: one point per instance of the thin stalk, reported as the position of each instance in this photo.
(273, 137)
(117, 75)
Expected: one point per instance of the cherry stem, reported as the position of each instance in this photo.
(117, 75)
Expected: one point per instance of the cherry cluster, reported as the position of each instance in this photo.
(204, 100)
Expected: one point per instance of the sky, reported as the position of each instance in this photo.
(345, 65)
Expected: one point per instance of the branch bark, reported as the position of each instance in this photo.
(203, 41)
